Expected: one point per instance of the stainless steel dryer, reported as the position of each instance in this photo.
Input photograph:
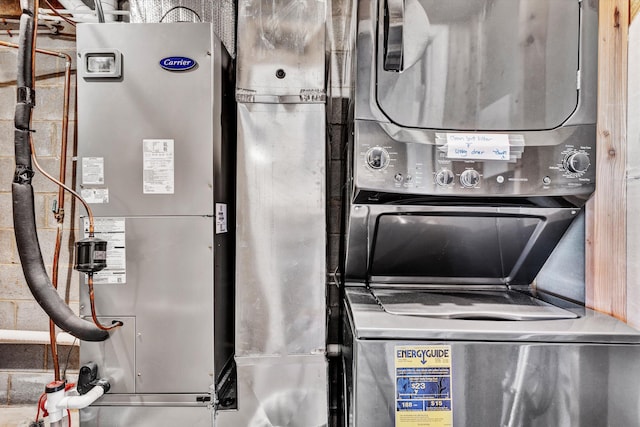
(472, 157)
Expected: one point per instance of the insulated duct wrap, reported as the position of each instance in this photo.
(222, 14)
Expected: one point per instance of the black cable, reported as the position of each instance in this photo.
(180, 7)
(66, 363)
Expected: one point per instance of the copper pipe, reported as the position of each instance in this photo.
(54, 281)
(58, 14)
(76, 195)
(93, 308)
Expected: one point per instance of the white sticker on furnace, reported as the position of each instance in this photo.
(221, 218)
(158, 166)
(93, 170)
(423, 386)
(95, 195)
(478, 146)
(112, 230)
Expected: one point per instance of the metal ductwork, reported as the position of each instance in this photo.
(222, 14)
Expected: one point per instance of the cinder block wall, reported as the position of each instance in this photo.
(26, 368)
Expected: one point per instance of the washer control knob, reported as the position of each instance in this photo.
(377, 158)
(444, 177)
(577, 162)
(469, 178)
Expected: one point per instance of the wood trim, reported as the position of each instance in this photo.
(634, 9)
(606, 240)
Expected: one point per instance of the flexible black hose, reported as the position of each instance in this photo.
(22, 192)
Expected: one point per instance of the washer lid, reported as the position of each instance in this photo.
(478, 64)
(468, 305)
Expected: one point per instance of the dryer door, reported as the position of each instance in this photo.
(478, 64)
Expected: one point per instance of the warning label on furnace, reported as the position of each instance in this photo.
(158, 168)
(423, 386)
(112, 230)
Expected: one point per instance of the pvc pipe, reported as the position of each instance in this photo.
(80, 402)
(11, 336)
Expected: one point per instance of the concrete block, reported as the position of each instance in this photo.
(7, 314)
(13, 286)
(4, 388)
(22, 356)
(6, 206)
(31, 317)
(7, 102)
(6, 138)
(51, 165)
(49, 101)
(8, 251)
(46, 138)
(68, 356)
(26, 387)
(7, 167)
(8, 65)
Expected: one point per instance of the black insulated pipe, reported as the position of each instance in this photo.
(24, 220)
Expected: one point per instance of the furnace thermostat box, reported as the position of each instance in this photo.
(101, 64)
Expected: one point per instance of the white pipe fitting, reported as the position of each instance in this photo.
(80, 402)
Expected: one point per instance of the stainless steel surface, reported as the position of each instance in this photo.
(564, 272)
(281, 51)
(151, 104)
(279, 391)
(169, 290)
(175, 292)
(157, 416)
(517, 63)
(500, 304)
(505, 383)
(222, 14)
(280, 258)
(457, 245)
(370, 321)
(536, 166)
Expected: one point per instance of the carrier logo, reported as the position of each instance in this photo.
(177, 63)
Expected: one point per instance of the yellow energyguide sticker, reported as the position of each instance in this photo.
(423, 386)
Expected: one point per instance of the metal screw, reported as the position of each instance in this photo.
(280, 73)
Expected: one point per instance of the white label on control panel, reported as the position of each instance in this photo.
(158, 168)
(93, 170)
(95, 195)
(478, 146)
(112, 230)
(221, 218)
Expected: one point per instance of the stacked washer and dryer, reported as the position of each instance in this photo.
(472, 157)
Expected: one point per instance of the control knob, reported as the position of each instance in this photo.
(444, 177)
(377, 158)
(577, 162)
(469, 178)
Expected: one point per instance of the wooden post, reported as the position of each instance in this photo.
(606, 229)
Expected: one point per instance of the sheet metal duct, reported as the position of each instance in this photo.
(222, 14)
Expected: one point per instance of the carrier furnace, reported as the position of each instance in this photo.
(155, 146)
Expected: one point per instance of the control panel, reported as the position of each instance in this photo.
(500, 167)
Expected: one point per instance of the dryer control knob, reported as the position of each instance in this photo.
(444, 177)
(577, 162)
(469, 178)
(377, 158)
